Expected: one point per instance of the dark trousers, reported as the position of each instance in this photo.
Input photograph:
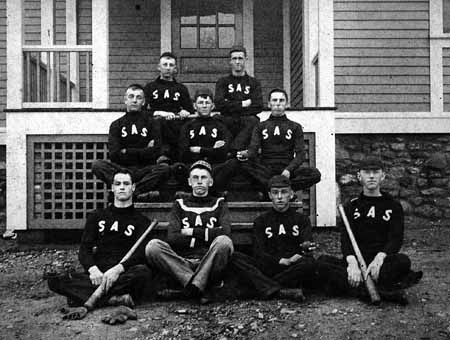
(333, 273)
(267, 279)
(77, 287)
(301, 178)
(146, 178)
(241, 128)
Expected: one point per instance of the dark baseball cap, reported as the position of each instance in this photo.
(279, 181)
(203, 92)
(371, 163)
(238, 48)
(201, 165)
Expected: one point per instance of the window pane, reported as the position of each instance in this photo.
(226, 18)
(446, 13)
(226, 37)
(189, 19)
(207, 37)
(188, 37)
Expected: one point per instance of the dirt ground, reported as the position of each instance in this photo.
(30, 311)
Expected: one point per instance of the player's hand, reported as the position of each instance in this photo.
(184, 114)
(246, 103)
(95, 275)
(160, 113)
(294, 258)
(151, 144)
(163, 159)
(187, 231)
(218, 144)
(123, 151)
(195, 149)
(354, 275)
(242, 155)
(284, 262)
(170, 116)
(308, 246)
(374, 267)
(286, 173)
(111, 276)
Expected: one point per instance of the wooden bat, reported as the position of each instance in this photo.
(370, 285)
(99, 292)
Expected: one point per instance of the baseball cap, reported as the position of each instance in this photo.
(238, 48)
(201, 165)
(203, 92)
(371, 163)
(279, 181)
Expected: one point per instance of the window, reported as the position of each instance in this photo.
(207, 24)
(446, 15)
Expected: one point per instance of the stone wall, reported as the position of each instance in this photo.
(417, 172)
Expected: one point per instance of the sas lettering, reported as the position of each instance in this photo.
(282, 231)
(129, 230)
(185, 222)
(115, 227)
(134, 131)
(231, 88)
(101, 226)
(166, 95)
(277, 132)
(371, 212)
(387, 215)
(356, 214)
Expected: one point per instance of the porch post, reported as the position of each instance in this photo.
(310, 50)
(14, 56)
(287, 47)
(100, 53)
(326, 54)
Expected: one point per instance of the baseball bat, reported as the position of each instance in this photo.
(370, 285)
(99, 292)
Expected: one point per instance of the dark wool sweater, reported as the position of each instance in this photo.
(279, 235)
(204, 132)
(232, 90)
(165, 95)
(377, 223)
(133, 132)
(201, 213)
(113, 231)
(279, 139)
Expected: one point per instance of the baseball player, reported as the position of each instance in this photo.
(199, 246)
(239, 99)
(134, 143)
(108, 235)
(281, 263)
(169, 101)
(376, 220)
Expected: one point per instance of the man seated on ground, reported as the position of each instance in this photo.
(282, 263)
(276, 148)
(198, 247)
(108, 235)
(376, 220)
(239, 100)
(134, 143)
(169, 101)
(204, 138)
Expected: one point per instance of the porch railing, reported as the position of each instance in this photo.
(57, 75)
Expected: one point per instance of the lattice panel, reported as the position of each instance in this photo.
(62, 188)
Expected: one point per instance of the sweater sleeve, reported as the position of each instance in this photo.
(183, 144)
(88, 241)
(225, 105)
(114, 143)
(186, 102)
(306, 231)
(395, 234)
(147, 154)
(218, 153)
(255, 142)
(257, 101)
(299, 148)
(138, 257)
(259, 246)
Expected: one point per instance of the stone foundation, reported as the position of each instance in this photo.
(417, 172)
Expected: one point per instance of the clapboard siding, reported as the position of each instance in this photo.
(296, 22)
(382, 59)
(84, 22)
(134, 46)
(60, 22)
(446, 71)
(268, 44)
(32, 22)
(2, 62)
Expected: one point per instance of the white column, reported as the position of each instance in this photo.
(166, 25)
(287, 47)
(14, 56)
(100, 54)
(48, 39)
(71, 39)
(326, 54)
(310, 50)
(248, 39)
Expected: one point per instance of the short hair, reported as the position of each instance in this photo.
(134, 87)
(122, 171)
(238, 48)
(204, 93)
(276, 91)
(168, 55)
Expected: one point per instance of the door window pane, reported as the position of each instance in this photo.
(188, 37)
(226, 18)
(226, 37)
(186, 20)
(446, 13)
(207, 37)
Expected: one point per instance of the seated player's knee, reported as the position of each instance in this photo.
(404, 261)
(153, 248)
(224, 243)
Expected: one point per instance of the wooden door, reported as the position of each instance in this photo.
(202, 33)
